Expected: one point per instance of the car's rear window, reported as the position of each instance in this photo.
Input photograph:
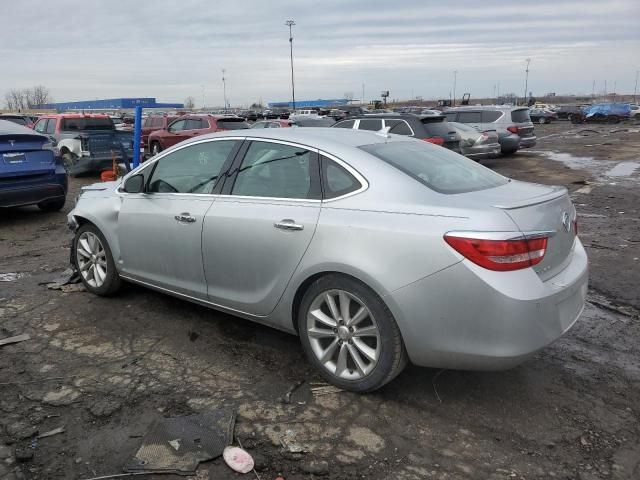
(520, 116)
(87, 123)
(233, 124)
(435, 167)
(438, 128)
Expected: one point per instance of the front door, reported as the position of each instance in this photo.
(175, 133)
(160, 231)
(255, 234)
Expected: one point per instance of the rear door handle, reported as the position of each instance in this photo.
(185, 218)
(288, 224)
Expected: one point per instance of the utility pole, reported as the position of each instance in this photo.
(455, 76)
(363, 91)
(224, 89)
(291, 23)
(526, 81)
(593, 90)
(202, 96)
(635, 89)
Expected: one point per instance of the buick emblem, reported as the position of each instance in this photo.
(566, 222)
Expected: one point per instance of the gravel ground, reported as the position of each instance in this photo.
(105, 369)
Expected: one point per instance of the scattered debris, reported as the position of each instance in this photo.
(178, 445)
(288, 442)
(51, 433)
(16, 339)
(74, 287)
(433, 382)
(315, 467)
(105, 407)
(238, 459)
(10, 277)
(287, 396)
(23, 453)
(325, 390)
(69, 276)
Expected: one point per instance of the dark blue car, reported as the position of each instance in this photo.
(31, 173)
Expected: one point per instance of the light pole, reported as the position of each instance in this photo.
(455, 75)
(526, 80)
(224, 90)
(202, 96)
(635, 89)
(291, 23)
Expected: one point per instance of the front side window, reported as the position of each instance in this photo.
(345, 124)
(336, 180)
(41, 126)
(276, 170)
(437, 168)
(193, 124)
(177, 126)
(193, 169)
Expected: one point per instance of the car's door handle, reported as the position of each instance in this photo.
(288, 224)
(185, 218)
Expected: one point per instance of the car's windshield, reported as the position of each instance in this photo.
(18, 120)
(435, 167)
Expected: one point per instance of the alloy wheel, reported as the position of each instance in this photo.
(343, 334)
(91, 259)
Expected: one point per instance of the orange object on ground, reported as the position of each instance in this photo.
(108, 176)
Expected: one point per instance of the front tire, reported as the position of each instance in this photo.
(349, 334)
(94, 261)
(155, 149)
(69, 161)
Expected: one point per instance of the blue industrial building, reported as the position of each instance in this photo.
(335, 102)
(108, 104)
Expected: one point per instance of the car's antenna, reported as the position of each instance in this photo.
(384, 132)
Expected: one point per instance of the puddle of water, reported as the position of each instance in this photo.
(623, 169)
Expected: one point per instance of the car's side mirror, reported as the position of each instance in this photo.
(134, 184)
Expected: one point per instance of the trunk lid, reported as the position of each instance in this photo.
(540, 208)
(22, 155)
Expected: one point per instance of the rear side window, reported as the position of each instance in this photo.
(469, 117)
(520, 116)
(193, 124)
(276, 170)
(437, 168)
(230, 124)
(345, 124)
(399, 127)
(373, 124)
(490, 116)
(336, 180)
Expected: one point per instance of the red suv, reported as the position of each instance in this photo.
(153, 123)
(189, 126)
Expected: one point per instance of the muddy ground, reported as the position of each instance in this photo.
(105, 369)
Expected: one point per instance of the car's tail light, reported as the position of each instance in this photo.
(513, 129)
(500, 255)
(435, 140)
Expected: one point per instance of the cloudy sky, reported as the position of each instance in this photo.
(84, 49)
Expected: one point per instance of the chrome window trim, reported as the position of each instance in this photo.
(363, 181)
(160, 156)
(263, 199)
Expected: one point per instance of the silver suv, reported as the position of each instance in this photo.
(513, 125)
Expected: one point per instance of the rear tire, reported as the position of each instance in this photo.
(94, 261)
(52, 205)
(542, 120)
(356, 345)
(69, 160)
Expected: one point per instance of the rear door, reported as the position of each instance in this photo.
(257, 231)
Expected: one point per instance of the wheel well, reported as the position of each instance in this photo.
(304, 286)
(64, 150)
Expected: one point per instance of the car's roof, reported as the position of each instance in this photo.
(486, 107)
(75, 115)
(10, 128)
(319, 137)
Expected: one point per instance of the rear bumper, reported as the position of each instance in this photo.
(480, 152)
(528, 142)
(467, 317)
(19, 195)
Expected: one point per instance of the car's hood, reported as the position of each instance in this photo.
(100, 189)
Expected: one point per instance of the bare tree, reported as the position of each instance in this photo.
(189, 103)
(16, 99)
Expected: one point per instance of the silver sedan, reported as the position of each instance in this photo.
(375, 249)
